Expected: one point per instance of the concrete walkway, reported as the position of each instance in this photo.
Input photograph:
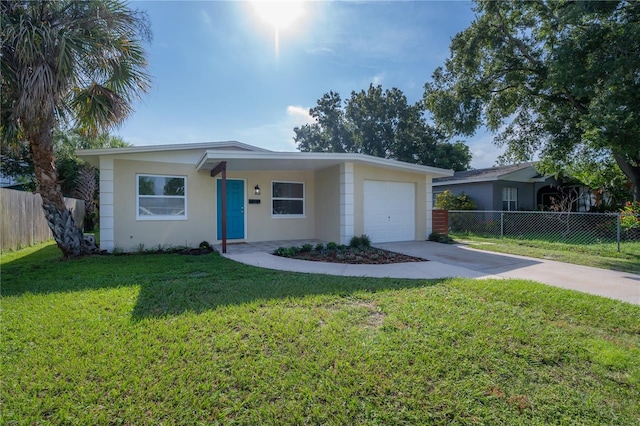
(453, 260)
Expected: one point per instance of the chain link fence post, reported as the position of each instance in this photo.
(501, 225)
(618, 230)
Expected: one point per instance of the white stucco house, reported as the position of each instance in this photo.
(166, 195)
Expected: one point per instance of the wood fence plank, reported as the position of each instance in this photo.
(22, 222)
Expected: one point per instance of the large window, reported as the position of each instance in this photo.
(287, 199)
(161, 197)
(510, 199)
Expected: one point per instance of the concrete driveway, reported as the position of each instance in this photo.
(455, 260)
(603, 282)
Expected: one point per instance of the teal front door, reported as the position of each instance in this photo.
(235, 209)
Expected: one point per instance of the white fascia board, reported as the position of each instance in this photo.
(169, 147)
(326, 157)
(92, 155)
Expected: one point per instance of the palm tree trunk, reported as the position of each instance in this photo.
(69, 238)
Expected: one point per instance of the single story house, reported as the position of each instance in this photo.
(512, 187)
(171, 195)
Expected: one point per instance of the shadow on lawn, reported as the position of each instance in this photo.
(172, 284)
(232, 283)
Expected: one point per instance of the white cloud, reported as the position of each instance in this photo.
(484, 152)
(277, 136)
(206, 19)
(299, 114)
(377, 79)
(320, 51)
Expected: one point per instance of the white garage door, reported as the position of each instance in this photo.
(389, 211)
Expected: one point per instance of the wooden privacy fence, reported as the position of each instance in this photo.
(22, 221)
(440, 221)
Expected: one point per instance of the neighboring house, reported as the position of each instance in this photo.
(166, 195)
(514, 187)
(10, 183)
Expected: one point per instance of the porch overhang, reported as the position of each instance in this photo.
(265, 161)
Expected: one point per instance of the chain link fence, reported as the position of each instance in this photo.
(566, 227)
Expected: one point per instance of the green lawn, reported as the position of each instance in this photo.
(173, 339)
(598, 255)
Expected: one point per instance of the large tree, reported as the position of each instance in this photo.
(380, 123)
(79, 62)
(554, 78)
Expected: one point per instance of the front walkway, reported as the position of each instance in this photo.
(450, 260)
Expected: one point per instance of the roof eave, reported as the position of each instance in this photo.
(346, 157)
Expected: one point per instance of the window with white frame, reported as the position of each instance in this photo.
(509, 199)
(161, 197)
(287, 199)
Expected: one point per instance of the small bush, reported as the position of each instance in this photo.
(332, 246)
(363, 242)
(440, 238)
(319, 247)
(205, 246)
(282, 251)
(306, 248)
(448, 201)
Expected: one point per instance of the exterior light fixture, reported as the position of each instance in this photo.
(256, 190)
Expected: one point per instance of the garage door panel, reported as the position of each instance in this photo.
(389, 211)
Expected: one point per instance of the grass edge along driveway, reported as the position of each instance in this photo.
(172, 339)
(603, 255)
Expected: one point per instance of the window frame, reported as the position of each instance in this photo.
(507, 191)
(304, 201)
(160, 217)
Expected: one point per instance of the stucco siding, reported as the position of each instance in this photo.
(200, 225)
(365, 172)
(261, 225)
(526, 194)
(132, 234)
(327, 201)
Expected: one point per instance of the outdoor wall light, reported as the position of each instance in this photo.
(256, 190)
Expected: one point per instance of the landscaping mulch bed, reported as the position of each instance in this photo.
(371, 256)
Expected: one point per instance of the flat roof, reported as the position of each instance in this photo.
(243, 157)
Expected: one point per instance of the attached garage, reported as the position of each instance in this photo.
(389, 211)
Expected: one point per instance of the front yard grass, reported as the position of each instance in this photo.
(174, 339)
(598, 255)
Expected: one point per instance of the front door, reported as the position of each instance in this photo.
(235, 209)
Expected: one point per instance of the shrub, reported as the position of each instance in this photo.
(362, 242)
(319, 247)
(282, 251)
(630, 215)
(332, 246)
(440, 238)
(306, 248)
(447, 201)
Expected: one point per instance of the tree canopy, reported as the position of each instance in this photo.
(555, 79)
(380, 123)
(77, 62)
(16, 160)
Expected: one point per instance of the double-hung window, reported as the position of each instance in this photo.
(287, 199)
(161, 197)
(510, 199)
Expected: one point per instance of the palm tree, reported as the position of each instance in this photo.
(77, 62)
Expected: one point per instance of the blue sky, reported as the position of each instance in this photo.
(217, 74)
